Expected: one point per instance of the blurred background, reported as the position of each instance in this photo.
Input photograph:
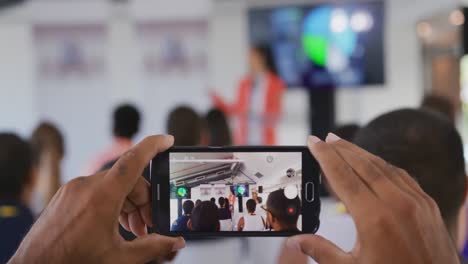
(72, 62)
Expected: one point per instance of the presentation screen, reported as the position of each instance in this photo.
(321, 46)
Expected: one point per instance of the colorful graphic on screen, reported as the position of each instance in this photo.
(322, 46)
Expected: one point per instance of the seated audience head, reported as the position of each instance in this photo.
(16, 169)
(186, 126)
(126, 121)
(205, 218)
(440, 104)
(251, 206)
(283, 213)
(429, 148)
(213, 200)
(259, 200)
(47, 137)
(188, 207)
(197, 202)
(226, 201)
(219, 133)
(221, 202)
(347, 132)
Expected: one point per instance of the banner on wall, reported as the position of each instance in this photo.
(70, 51)
(173, 48)
(173, 68)
(73, 87)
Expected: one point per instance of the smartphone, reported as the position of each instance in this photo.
(235, 191)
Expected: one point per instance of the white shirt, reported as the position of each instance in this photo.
(253, 223)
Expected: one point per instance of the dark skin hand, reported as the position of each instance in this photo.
(80, 225)
(396, 221)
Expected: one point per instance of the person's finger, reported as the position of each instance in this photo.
(348, 186)
(378, 182)
(140, 197)
(388, 171)
(123, 176)
(123, 220)
(319, 248)
(137, 226)
(153, 247)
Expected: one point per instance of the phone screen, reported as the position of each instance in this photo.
(235, 191)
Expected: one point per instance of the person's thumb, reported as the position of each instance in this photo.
(319, 248)
(153, 247)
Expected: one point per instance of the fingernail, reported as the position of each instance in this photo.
(180, 244)
(332, 138)
(293, 243)
(314, 139)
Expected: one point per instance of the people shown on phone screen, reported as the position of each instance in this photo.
(283, 213)
(204, 218)
(251, 221)
(180, 224)
(223, 210)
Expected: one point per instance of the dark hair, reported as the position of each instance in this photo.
(219, 133)
(188, 207)
(441, 105)
(347, 132)
(278, 205)
(428, 147)
(259, 199)
(46, 135)
(185, 125)
(251, 205)
(221, 201)
(16, 163)
(213, 200)
(267, 53)
(197, 202)
(226, 200)
(126, 121)
(205, 217)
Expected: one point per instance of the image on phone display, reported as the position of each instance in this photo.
(235, 192)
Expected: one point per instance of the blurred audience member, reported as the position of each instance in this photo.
(430, 149)
(219, 133)
(48, 151)
(180, 224)
(205, 218)
(257, 107)
(251, 221)
(186, 126)
(213, 200)
(126, 120)
(16, 187)
(440, 104)
(197, 202)
(283, 213)
(223, 210)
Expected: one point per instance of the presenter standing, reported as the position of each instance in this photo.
(257, 108)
